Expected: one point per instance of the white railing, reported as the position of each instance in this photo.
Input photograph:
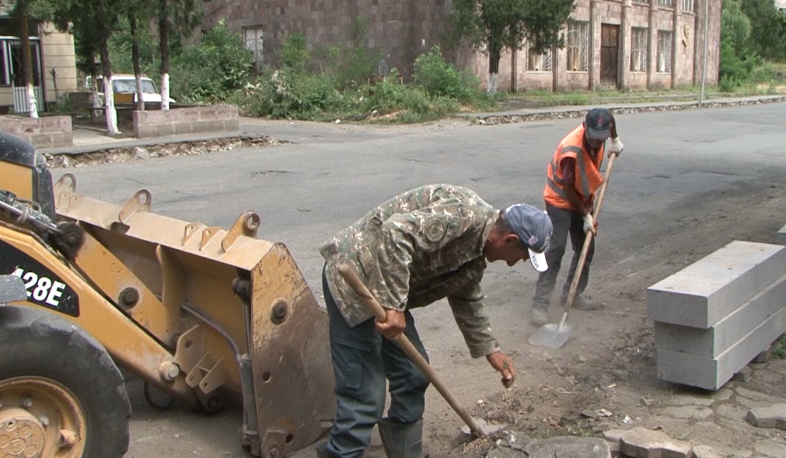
(20, 99)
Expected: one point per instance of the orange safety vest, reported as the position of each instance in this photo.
(587, 173)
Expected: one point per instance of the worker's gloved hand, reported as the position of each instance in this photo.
(504, 365)
(616, 146)
(589, 224)
(394, 325)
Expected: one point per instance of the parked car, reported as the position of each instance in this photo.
(124, 88)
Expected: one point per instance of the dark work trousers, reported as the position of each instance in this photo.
(564, 222)
(362, 359)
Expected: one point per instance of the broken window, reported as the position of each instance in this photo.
(254, 41)
(664, 52)
(578, 46)
(638, 50)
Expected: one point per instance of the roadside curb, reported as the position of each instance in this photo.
(580, 111)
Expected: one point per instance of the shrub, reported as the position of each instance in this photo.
(214, 69)
(441, 79)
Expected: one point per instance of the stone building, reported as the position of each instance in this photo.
(626, 44)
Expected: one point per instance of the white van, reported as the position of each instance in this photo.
(124, 88)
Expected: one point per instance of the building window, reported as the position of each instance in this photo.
(687, 6)
(538, 62)
(578, 46)
(253, 39)
(646, 2)
(666, 3)
(638, 50)
(664, 52)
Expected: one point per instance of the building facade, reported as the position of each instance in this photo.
(53, 60)
(626, 44)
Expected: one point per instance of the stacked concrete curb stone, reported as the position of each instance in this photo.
(715, 316)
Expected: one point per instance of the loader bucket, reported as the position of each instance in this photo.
(234, 311)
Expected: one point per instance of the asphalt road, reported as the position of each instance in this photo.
(332, 174)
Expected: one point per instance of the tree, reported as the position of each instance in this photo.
(21, 12)
(493, 25)
(737, 59)
(92, 23)
(187, 14)
(767, 28)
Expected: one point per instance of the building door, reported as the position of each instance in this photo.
(609, 54)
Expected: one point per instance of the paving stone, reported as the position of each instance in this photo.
(724, 394)
(703, 451)
(613, 435)
(757, 395)
(569, 447)
(689, 412)
(689, 400)
(732, 412)
(729, 330)
(764, 356)
(773, 416)
(770, 449)
(645, 443)
(751, 403)
(744, 375)
(713, 373)
(706, 291)
(780, 237)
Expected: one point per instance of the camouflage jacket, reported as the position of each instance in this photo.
(417, 248)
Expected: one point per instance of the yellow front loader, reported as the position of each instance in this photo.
(208, 315)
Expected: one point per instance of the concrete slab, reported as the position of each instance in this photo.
(713, 373)
(708, 290)
(710, 343)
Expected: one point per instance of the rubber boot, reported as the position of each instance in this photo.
(401, 440)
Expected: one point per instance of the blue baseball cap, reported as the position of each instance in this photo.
(534, 229)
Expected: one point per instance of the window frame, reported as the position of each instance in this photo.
(577, 51)
(664, 48)
(643, 42)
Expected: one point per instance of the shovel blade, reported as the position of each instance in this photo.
(551, 335)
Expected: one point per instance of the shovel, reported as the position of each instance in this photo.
(555, 336)
(406, 346)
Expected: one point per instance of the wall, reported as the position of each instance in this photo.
(44, 132)
(403, 29)
(400, 29)
(58, 55)
(177, 121)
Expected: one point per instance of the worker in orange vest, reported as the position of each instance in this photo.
(573, 177)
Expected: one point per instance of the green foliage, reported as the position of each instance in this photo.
(213, 70)
(737, 59)
(768, 28)
(494, 25)
(779, 348)
(293, 54)
(439, 78)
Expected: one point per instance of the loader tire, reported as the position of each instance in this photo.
(60, 387)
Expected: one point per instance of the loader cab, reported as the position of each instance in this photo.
(24, 172)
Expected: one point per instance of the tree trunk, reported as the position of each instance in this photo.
(163, 32)
(109, 95)
(494, 56)
(27, 64)
(93, 83)
(140, 93)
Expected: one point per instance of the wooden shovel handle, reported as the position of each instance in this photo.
(587, 242)
(406, 346)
